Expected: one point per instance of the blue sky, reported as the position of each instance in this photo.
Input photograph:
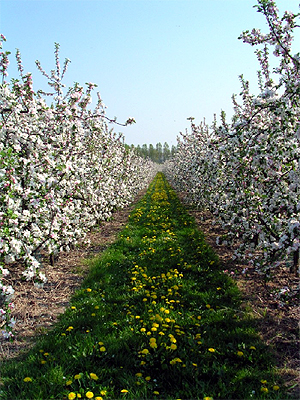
(159, 61)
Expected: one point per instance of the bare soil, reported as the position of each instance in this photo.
(276, 317)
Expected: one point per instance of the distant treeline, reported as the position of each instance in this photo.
(158, 153)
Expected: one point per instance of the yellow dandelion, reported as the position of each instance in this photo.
(264, 389)
(27, 379)
(211, 350)
(89, 395)
(69, 329)
(71, 396)
(93, 376)
(275, 387)
(102, 349)
(240, 353)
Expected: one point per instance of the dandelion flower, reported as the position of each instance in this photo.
(264, 389)
(124, 391)
(69, 329)
(93, 376)
(27, 379)
(72, 396)
(275, 387)
(102, 349)
(89, 395)
(153, 345)
(211, 350)
(240, 353)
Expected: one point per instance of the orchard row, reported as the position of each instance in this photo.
(247, 172)
(62, 171)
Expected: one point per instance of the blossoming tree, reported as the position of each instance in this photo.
(62, 170)
(247, 172)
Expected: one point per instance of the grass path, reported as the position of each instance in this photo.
(155, 318)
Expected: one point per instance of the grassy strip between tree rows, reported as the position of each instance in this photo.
(155, 318)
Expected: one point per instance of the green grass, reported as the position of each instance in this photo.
(155, 318)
